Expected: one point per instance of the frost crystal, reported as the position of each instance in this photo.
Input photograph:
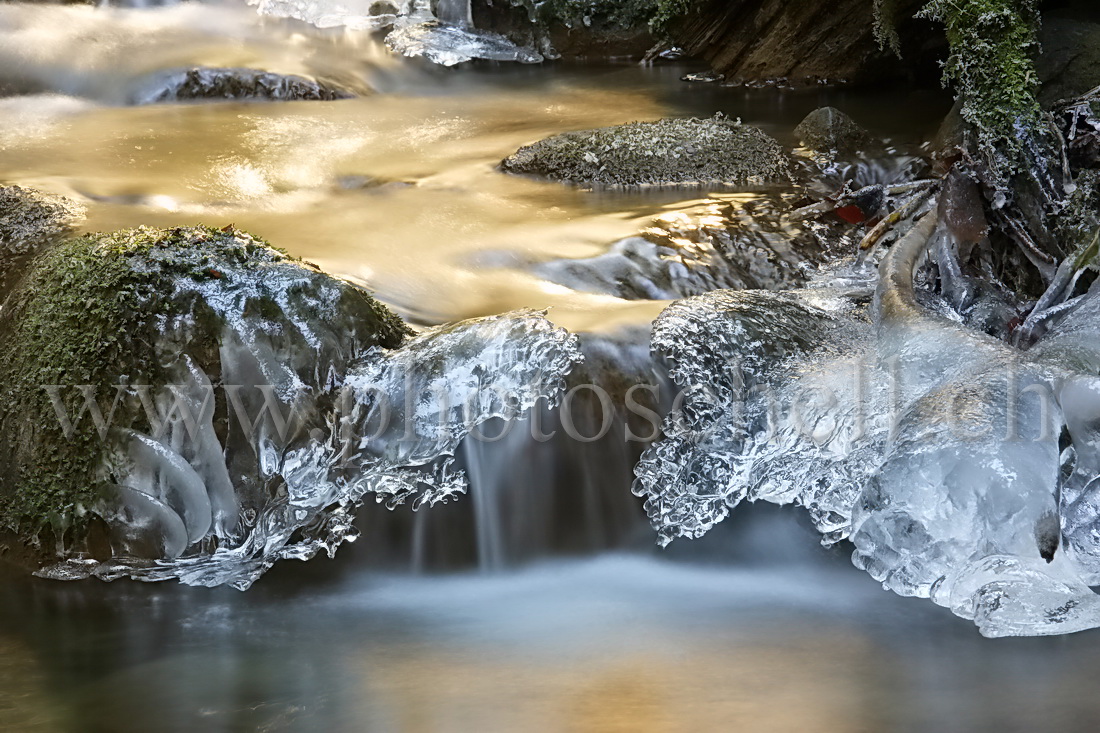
(442, 37)
(390, 429)
(940, 460)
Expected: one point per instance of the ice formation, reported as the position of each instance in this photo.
(448, 45)
(288, 397)
(445, 36)
(391, 429)
(936, 450)
(737, 241)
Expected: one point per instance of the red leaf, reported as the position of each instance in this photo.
(851, 214)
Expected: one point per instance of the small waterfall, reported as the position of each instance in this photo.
(554, 483)
(455, 12)
(486, 492)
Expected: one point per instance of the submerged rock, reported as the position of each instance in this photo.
(667, 152)
(29, 220)
(248, 84)
(737, 244)
(827, 130)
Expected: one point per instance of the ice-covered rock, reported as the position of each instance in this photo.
(942, 461)
(419, 403)
(1073, 347)
(733, 435)
(205, 405)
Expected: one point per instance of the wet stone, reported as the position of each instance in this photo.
(667, 152)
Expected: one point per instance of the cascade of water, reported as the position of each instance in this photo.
(486, 494)
(554, 482)
(455, 12)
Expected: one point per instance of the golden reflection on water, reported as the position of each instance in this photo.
(400, 193)
(801, 684)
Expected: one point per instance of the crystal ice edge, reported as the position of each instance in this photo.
(997, 527)
(497, 367)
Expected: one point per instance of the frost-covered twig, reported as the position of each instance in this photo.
(848, 198)
(902, 213)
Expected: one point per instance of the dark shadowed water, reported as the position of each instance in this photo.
(620, 642)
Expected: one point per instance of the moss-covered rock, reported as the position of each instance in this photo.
(668, 152)
(992, 68)
(29, 220)
(139, 307)
(828, 130)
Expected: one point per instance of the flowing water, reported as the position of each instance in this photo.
(539, 602)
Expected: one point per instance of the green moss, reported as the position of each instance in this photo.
(885, 26)
(993, 43)
(91, 311)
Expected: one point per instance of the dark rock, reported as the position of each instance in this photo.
(828, 130)
(667, 152)
(962, 210)
(1069, 65)
(247, 84)
(572, 29)
(950, 138)
(805, 42)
